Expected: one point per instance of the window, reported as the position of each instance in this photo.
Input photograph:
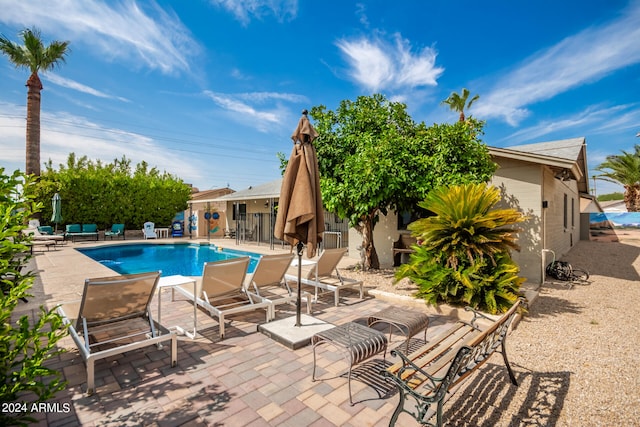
(241, 209)
(573, 213)
(407, 217)
(565, 211)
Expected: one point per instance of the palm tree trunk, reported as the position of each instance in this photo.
(34, 86)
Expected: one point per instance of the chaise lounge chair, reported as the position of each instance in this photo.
(267, 283)
(323, 274)
(117, 230)
(149, 230)
(36, 235)
(221, 292)
(114, 311)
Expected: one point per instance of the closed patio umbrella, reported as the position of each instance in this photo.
(56, 204)
(300, 218)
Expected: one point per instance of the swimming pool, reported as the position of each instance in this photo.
(184, 259)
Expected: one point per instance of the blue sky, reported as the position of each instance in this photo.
(211, 90)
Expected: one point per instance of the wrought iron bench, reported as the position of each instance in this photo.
(432, 374)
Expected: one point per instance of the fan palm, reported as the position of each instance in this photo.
(457, 102)
(35, 56)
(624, 169)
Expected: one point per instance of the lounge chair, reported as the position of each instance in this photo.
(221, 292)
(115, 311)
(267, 283)
(117, 230)
(149, 230)
(323, 274)
(36, 235)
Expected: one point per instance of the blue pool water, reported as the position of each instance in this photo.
(184, 259)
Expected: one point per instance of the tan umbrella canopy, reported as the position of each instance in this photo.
(300, 217)
(300, 213)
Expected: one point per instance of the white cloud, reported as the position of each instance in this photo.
(379, 65)
(243, 107)
(122, 30)
(71, 84)
(63, 133)
(580, 59)
(592, 120)
(243, 10)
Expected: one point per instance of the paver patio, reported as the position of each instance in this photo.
(247, 379)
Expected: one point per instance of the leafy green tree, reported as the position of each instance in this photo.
(373, 157)
(25, 346)
(113, 193)
(624, 169)
(35, 56)
(458, 102)
(463, 255)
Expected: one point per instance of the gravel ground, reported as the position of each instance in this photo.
(575, 353)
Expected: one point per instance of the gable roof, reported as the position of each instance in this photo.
(268, 190)
(567, 158)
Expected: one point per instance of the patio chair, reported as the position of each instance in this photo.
(114, 317)
(221, 292)
(36, 235)
(267, 283)
(116, 230)
(323, 274)
(149, 230)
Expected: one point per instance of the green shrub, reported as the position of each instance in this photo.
(24, 346)
(463, 254)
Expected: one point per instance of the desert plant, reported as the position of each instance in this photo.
(463, 256)
(24, 346)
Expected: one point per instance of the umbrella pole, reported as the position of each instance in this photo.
(299, 248)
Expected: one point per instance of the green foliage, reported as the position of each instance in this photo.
(113, 193)
(373, 157)
(463, 256)
(458, 102)
(25, 346)
(610, 196)
(624, 169)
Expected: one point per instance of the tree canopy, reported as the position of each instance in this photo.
(373, 157)
(624, 169)
(114, 193)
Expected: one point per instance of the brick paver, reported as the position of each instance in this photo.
(245, 379)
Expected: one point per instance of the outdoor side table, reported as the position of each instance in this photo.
(406, 322)
(355, 341)
(172, 282)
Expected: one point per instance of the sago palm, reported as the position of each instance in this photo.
(463, 255)
(35, 56)
(465, 224)
(624, 169)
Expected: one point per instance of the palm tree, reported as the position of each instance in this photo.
(624, 169)
(458, 102)
(35, 56)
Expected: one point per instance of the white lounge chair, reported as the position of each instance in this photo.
(115, 311)
(221, 290)
(36, 235)
(323, 274)
(149, 230)
(267, 283)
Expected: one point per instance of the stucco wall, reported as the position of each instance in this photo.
(520, 186)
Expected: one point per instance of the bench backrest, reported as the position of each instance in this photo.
(475, 353)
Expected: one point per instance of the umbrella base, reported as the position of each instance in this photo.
(294, 337)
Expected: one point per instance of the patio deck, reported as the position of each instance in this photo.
(247, 379)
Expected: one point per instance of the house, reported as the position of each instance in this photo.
(546, 181)
(202, 210)
(252, 216)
